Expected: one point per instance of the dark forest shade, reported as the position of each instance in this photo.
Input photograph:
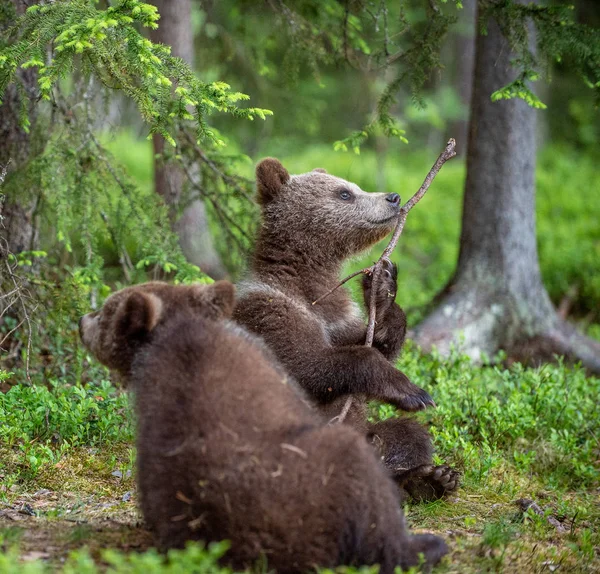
(15, 151)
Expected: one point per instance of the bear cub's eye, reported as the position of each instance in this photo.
(345, 194)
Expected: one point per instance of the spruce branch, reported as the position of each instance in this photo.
(376, 269)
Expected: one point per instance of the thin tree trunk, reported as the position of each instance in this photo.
(17, 210)
(464, 55)
(175, 30)
(496, 299)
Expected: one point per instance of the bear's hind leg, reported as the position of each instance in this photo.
(406, 450)
(427, 482)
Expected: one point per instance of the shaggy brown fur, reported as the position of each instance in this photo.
(311, 224)
(228, 450)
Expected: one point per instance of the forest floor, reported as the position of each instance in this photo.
(68, 501)
(89, 506)
(518, 436)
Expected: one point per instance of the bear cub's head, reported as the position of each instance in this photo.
(321, 211)
(129, 318)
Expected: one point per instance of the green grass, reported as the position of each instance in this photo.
(67, 461)
(513, 433)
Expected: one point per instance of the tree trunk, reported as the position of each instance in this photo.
(17, 211)
(464, 55)
(496, 299)
(175, 30)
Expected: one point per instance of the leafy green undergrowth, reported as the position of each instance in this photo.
(41, 424)
(543, 420)
(195, 559)
(513, 433)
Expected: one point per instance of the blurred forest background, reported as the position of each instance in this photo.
(96, 197)
(122, 160)
(91, 201)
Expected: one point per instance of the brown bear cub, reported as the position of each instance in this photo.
(311, 225)
(227, 449)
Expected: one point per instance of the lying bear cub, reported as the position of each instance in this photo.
(227, 449)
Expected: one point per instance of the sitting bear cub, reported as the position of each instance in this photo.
(311, 225)
(227, 449)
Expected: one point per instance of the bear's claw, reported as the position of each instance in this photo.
(428, 482)
(407, 396)
(412, 403)
(386, 290)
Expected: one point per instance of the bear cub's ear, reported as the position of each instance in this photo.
(270, 177)
(139, 314)
(216, 300)
(223, 296)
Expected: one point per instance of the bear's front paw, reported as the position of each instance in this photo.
(415, 401)
(386, 288)
(408, 396)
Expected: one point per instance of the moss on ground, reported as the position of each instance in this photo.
(88, 501)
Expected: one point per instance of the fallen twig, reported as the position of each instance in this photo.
(526, 504)
(376, 269)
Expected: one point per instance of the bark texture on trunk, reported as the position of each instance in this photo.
(175, 30)
(496, 299)
(18, 209)
(464, 54)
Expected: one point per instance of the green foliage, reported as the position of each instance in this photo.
(109, 45)
(416, 65)
(519, 89)
(568, 233)
(405, 39)
(88, 201)
(496, 537)
(539, 420)
(195, 559)
(5, 375)
(56, 351)
(94, 206)
(42, 423)
(295, 41)
(90, 415)
(558, 37)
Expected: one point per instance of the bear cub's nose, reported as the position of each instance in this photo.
(394, 199)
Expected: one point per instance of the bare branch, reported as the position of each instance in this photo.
(376, 269)
(26, 316)
(365, 270)
(448, 153)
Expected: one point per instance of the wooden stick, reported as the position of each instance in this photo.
(365, 270)
(376, 269)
